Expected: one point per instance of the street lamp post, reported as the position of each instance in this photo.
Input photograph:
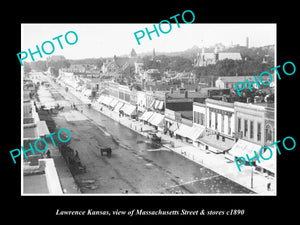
(252, 177)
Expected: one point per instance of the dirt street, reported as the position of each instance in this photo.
(125, 170)
(134, 167)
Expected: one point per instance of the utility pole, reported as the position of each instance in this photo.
(252, 177)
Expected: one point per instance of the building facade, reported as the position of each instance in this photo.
(205, 59)
(255, 123)
(220, 117)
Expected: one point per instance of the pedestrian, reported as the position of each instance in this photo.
(48, 154)
(269, 185)
(76, 154)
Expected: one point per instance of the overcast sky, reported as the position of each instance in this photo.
(107, 40)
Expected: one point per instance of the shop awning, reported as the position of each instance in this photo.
(217, 142)
(107, 100)
(152, 103)
(183, 130)
(196, 132)
(103, 99)
(161, 105)
(100, 99)
(141, 109)
(174, 127)
(129, 110)
(242, 147)
(190, 132)
(118, 106)
(113, 103)
(146, 115)
(269, 164)
(156, 119)
(156, 104)
(87, 92)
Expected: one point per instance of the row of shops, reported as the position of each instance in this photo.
(212, 125)
(118, 106)
(195, 134)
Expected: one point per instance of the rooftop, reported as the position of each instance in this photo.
(190, 94)
(217, 143)
(218, 102)
(235, 79)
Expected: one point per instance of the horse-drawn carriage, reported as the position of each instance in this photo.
(154, 138)
(107, 151)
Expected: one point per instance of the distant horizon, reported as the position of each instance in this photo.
(156, 52)
(107, 40)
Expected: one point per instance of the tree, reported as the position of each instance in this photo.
(26, 68)
(39, 65)
(59, 63)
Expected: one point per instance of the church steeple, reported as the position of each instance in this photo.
(153, 54)
(133, 54)
(216, 53)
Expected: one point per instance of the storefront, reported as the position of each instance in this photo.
(191, 134)
(128, 110)
(241, 148)
(157, 120)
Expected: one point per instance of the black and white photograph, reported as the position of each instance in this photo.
(163, 117)
(150, 113)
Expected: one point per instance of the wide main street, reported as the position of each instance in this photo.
(135, 166)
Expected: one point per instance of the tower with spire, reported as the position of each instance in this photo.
(216, 54)
(132, 54)
(153, 54)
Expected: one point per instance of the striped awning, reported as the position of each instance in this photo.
(118, 106)
(113, 103)
(174, 127)
(129, 109)
(146, 115)
(156, 119)
(242, 147)
(192, 133)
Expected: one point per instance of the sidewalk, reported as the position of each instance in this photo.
(66, 178)
(216, 162)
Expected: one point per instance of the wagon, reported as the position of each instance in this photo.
(105, 150)
(154, 138)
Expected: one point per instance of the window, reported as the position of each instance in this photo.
(258, 131)
(198, 118)
(229, 125)
(216, 121)
(209, 118)
(222, 123)
(239, 124)
(201, 119)
(245, 128)
(269, 133)
(251, 129)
